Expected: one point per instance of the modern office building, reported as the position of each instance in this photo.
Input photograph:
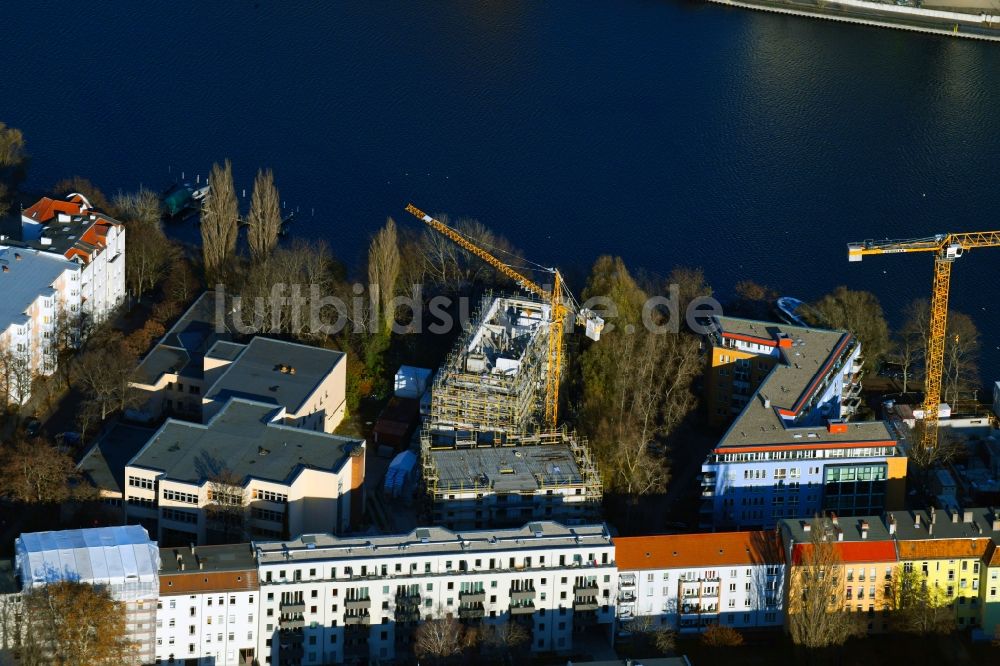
(790, 452)
(122, 560)
(688, 582)
(358, 599)
(244, 474)
(196, 368)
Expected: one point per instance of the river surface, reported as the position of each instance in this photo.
(665, 131)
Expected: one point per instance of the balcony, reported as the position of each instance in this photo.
(290, 638)
(586, 604)
(291, 622)
(358, 602)
(626, 597)
(352, 619)
(522, 595)
(626, 580)
(471, 612)
(407, 614)
(522, 609)
(472, 597)
(708, 491)
(588, 589)
(292, 606)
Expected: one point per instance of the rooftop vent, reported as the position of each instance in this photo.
(17, 256)
(261, 451)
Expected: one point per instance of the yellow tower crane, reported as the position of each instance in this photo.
(562, 305)
(946, 248)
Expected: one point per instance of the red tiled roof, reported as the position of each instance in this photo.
(695, 550)
(852, 551)
(929, 549)
(46, 209)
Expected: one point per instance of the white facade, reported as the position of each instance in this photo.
(39, 290)
(691, 581)
(208, 627)
(329, 600)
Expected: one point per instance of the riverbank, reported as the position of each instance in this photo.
(980, 26)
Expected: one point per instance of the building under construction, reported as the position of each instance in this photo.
(494, 381)
(488, 479)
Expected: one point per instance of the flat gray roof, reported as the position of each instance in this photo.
(27, 274)
(256, 372)
(506, 469)
(182, 349)
(849, 525)
(945, 526)
(812, 354)
(432, 541)
(243, 439)
(229, 557)
(104, 464)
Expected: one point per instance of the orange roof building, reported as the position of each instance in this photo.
(692, 581)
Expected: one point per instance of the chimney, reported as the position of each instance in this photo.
(954, 516)
(967, 516)
(291, 370)
(930, 529)
(933, 513)
(840, 534)
(17, 256)
(834, 519)
(191, 544)
(916, 520)
(864, 529)
(201, 563)
(996, 520)
(806, 527)
(892, 525)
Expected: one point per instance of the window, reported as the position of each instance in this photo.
(139, 482)
(176, 496)
(270, 496)
(180, 516)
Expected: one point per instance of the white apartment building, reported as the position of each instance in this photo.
(38, 289)
(690, 581)
(288, 480)
(73, 229)
(208, 608)
(196, 368)
(329, 599)
(121, 559)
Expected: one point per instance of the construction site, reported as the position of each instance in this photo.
(494, 380)
(478, 479)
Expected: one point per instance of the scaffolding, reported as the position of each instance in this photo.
(550, 473)
(494, 380)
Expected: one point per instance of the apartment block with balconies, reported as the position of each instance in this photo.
(791, 451)
(333, 599)
(687, 582)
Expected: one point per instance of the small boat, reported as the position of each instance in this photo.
(790, 310)
(200, 193)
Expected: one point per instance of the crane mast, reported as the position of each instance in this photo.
(559, 297)
(946, 248)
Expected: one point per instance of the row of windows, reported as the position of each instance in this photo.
(267, 514)
(270, 496)
(804, 454)
(180, 515)
(177, 496)
(139, 482)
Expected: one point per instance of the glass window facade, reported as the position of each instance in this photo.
(854, 489)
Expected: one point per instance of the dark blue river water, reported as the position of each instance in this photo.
(666, 131)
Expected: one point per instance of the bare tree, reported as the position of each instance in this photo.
(506, 639)
(383, 270)
(264, 219)
(816, 614)
(721, 635)
(910, 342)
(150, 254)
(917, 607)
(219, 222)
(74, 623)
(36, 472)
(227, 509)
(16, 375)
(80, 185)
(12, 159)
(949, 447)
(961, 354)
(860, 313)
(440, 639)
(450, 267)
(105, 373)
